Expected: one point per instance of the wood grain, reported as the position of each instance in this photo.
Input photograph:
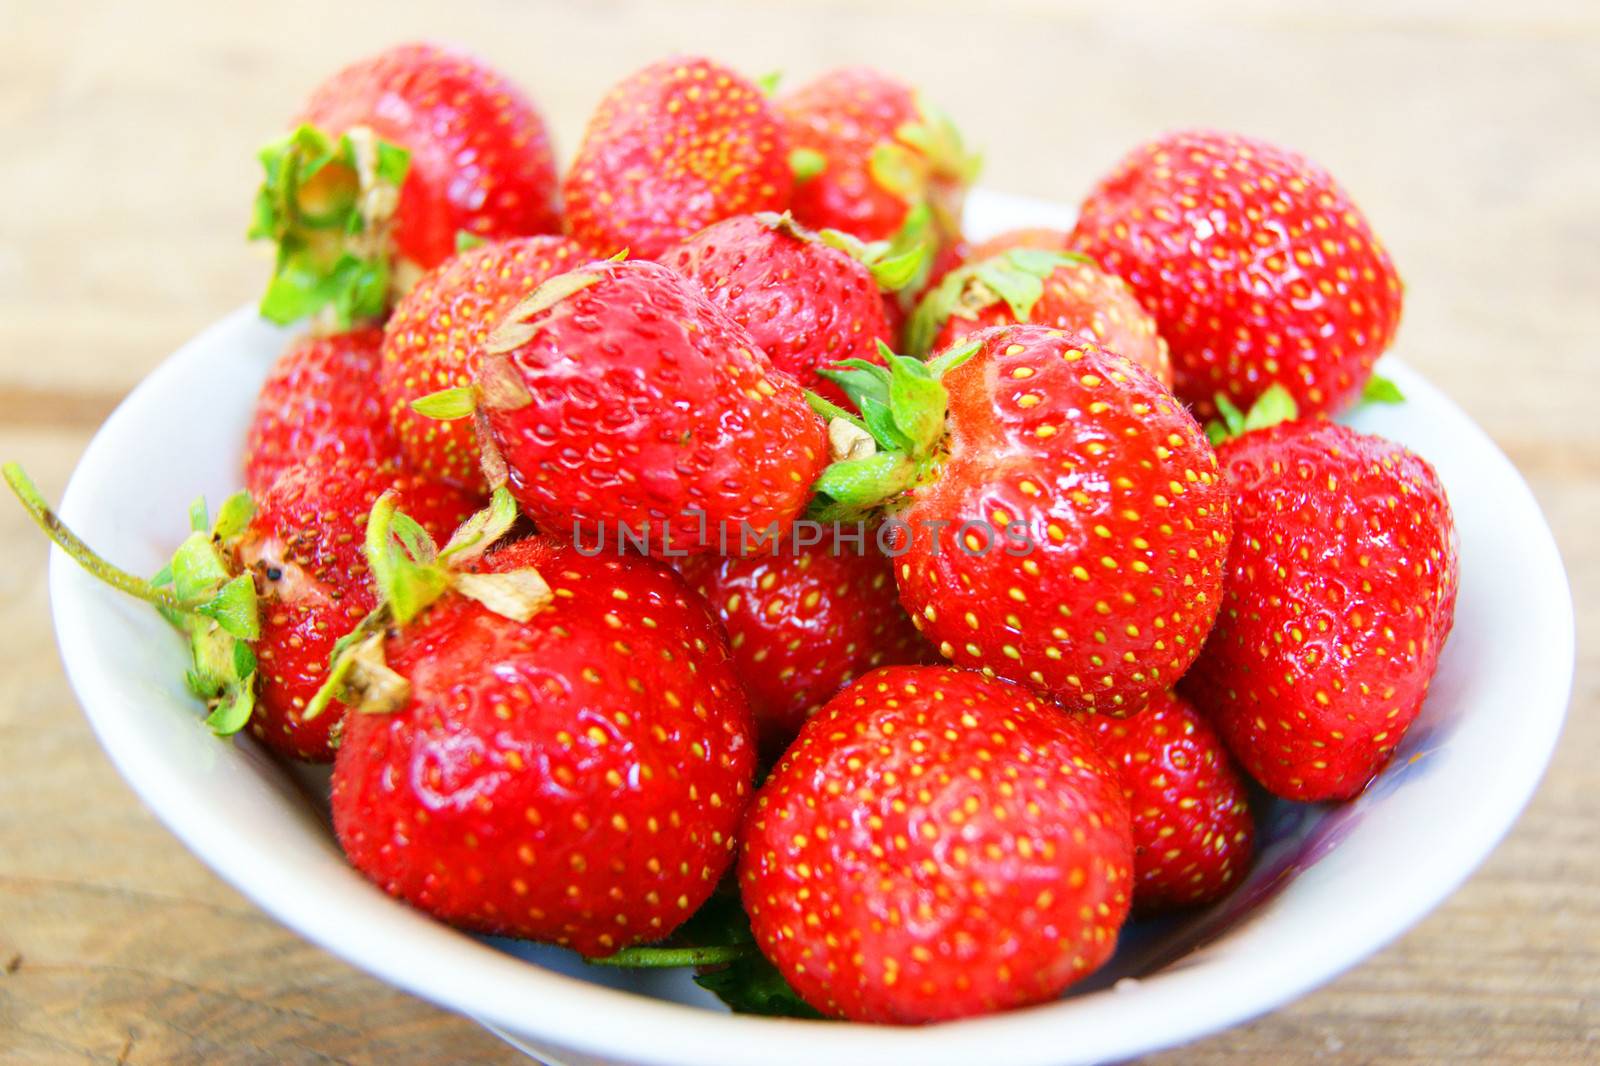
(1466, 129)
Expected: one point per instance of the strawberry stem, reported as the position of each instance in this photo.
(648, 958)
(68, 541)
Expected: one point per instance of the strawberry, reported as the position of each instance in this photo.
(1049, 288)
(320, 398)
(435, 337)
(624, 403)
(262, 593)
(804, 297)
(1042, 238)
(671, 149)
(303, 546)
(1058, 514)
(1340, 591)
(937, 844)
(867, 150)
(951, 255)
(392, 158)
(557, 747)
(802, 624)
(1257, 267)
(1192, 831)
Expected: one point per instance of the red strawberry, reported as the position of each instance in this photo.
(1257, 267)
(802, 624)
(394, 157)
(937, 844)
(1192, 831)
(263, 593)
(867, 149)
(895, 316)
(1340, 592)
(619, 394)
(1049, 288)
(672, 149)
(304, 547)
(804, 298)
(321, 398)
(1041, 237)
(435, 337)
(950, 257)
(1061, 524)
(575, 776)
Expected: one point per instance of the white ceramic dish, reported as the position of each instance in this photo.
(1332, 885)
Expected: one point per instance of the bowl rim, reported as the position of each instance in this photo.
(510, 995)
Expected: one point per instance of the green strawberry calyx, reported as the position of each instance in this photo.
(1380, 389)
(894, 443)
(328, 203)
(892, 267)
(927, 163)
(199, 592)
(411, 572)
(918, 232)
(1277, 405)
(1274, 405)
(927, 147)
(936, 136)
(517, 327)
(1015, 276)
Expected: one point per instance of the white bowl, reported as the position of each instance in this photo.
(1332, 883)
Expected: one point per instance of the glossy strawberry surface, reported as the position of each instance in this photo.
(304, 546)
(481, 160)
(319, 399)
(1074, 535)
(435, 337)
(671, 149)
(937, 844)
(806, 304)
(633, 399)
(577, 778)
(1256, 264)
(1340, 592)
(1192, 831)
(803, 624)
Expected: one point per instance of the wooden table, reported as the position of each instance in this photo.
(1467, 130)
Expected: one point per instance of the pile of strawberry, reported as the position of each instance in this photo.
(709, 558)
